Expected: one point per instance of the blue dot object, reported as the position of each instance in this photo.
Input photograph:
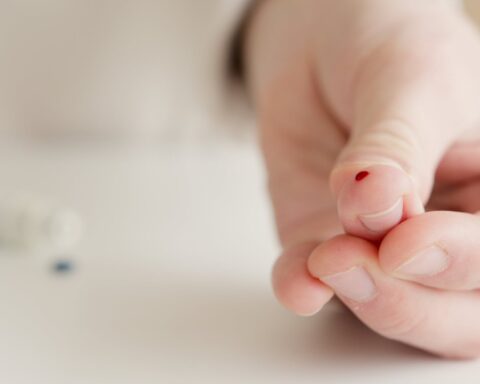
(63, 266)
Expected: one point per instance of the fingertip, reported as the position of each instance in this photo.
(293, 285)
(412, 236)
(339, 254)
(373, 198)
(437, 249)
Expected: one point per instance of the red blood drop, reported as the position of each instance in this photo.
(361, 175)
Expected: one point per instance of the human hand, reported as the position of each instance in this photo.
(377, 102)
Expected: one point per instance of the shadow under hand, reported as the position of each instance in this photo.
(201, 325)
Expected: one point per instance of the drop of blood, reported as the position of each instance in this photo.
(361, 175)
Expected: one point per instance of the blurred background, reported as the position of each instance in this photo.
(114, 68)
(121, 111)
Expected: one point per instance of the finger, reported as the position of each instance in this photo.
(294, 287)
(437, 249)
(299, 141)
(442, 322)
(412, 98)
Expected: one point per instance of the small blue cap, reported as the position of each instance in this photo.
(63, 266)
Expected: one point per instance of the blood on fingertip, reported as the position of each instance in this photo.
(361, 175)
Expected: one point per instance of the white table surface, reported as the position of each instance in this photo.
(172, 284)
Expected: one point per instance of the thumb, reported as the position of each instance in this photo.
(410, 103)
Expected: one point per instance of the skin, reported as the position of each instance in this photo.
(391, 89)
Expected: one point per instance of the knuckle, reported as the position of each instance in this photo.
(399, 326)
(399, 319)
(392, 134)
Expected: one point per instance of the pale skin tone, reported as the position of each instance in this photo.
(369, 111)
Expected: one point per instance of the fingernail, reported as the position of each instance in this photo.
(383, 220)
(429, 262)
(354, 284)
